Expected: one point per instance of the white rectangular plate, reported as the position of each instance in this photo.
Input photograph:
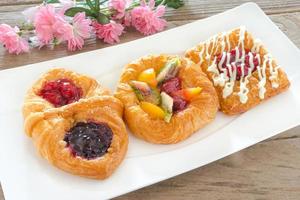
(26, 176)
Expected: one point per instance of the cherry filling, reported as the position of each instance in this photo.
(89, 140)
(171, 87)
(179, 104)
(243, 65)
(60, 92)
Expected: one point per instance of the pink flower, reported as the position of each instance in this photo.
(49, 25)
(108, 32)
(29, 13)
(126, 20)
(81, 30)
(147, 20)
(11, 40)
(119, 6)
(66, 4)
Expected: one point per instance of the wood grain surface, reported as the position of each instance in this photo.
(268, 170)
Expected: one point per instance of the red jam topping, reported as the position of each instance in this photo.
(171, 87)
(60, 92)
(179, 104)
(249, 62)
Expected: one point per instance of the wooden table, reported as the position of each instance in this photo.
(268, 170)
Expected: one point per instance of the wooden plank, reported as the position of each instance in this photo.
(289, 23)
(194, 9)
(269, 170)
(19, 2)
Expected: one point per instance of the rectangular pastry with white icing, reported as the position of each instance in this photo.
(242, 70)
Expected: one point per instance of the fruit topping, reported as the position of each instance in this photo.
(89, 140)
(171, 85)
(145, 93)
(60, 92)
(153, 110)
(179, 104)
(170, 70)
(189, 93)
(243, 65)
(148, 76)
(167, 105)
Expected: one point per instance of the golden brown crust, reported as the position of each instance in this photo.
(200, 111)
(48, 126)
(34, 103)
(232, 105)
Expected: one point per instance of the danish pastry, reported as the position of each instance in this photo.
(76, 124)
(166, 98)
(244, 73)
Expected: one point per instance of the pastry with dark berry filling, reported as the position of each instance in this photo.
(166, 98)
(75, 124)
(242, 70)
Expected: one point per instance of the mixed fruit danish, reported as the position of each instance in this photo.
(166, 98)
(76, 124)
(243, 72)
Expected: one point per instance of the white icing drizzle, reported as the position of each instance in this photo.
(201, 56)
(256, 46)
(222, 60)
(218, 78)
(242, 41)
(227, 77)
(262, 78)
(243, 93)
(228, 88)
(273, 73)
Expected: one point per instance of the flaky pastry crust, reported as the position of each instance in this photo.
(34, 103)
(232, 105)
(47, 126)
(200, 111)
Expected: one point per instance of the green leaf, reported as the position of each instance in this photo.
(103, 1)
(51, 1)
(97, 6)
(71, 12)
(171, 3)
(90, 4)
(103, 19)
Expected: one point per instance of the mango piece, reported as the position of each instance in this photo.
(153, 110)
(190, 93)
(148, 76)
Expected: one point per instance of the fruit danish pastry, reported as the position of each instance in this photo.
(166, 98)
(243, 72)
(76, 124)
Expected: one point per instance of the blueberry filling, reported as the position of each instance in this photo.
(89, 140)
